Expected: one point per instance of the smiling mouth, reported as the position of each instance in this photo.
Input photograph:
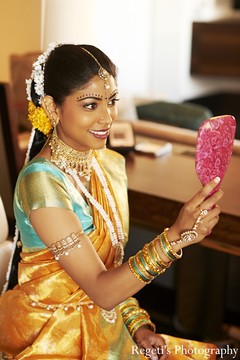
(100, 134)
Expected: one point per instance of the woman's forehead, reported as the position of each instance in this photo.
(97, 86)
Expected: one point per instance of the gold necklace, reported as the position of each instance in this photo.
(67, 158)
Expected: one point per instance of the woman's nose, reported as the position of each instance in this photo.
(106, 118)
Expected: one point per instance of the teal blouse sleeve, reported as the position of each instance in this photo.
(41, 184)
(43, 189)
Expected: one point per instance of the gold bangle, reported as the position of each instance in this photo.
(128, 303)
(136, 271)
(149, 259)
(137, 319)
(151, 270)
(134, 316)
(136, 311)
(141, 322)
(126, 310)
(155, 252)
(147, 263)
(168, 248)
(129, 313)
(142, 268)
(164, 250)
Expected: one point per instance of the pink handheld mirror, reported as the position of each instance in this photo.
(215, 140)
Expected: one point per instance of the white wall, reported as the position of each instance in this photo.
(122, 30)
(173, 36)
(149, 40)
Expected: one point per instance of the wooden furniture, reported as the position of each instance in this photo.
(216, 48)
(20, 70)
(6, 245)
(13, 147)
(158, 187)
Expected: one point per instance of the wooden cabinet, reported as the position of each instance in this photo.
(216, 48)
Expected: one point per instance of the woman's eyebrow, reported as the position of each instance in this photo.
(113, 94)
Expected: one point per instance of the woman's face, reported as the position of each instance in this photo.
(86, 116)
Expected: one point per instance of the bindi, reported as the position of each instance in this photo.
(96, 96)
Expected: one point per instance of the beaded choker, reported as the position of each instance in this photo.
(67, 158)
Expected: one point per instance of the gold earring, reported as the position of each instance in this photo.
(53, 122)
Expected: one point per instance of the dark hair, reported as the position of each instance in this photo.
(68, 68)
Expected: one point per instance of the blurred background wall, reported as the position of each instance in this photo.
(150, 41)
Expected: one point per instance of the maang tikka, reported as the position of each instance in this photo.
(102, 73)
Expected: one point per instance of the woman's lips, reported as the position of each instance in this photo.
(100, 134)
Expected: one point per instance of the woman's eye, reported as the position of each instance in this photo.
(91, 106)
(113, 101)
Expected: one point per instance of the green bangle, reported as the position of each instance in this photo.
(165, 249)
(151, 272)
(136, 272)
(170, 249)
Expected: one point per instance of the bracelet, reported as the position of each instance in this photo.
(157, 256)
(134, 316)
(136, 272)
(166, 247)
(191, 235)
(137, 323)
(130, 302)
(151, 261)
(169, 247)
(143, 270)
(63, 246)
(147, 263)
(152, 270)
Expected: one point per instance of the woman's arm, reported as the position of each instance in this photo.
(108, 288)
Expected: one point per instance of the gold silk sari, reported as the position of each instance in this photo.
(47, 315)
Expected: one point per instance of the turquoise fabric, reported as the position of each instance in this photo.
(57, 192)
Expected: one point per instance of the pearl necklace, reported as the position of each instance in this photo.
(116, 239)
(78, 164)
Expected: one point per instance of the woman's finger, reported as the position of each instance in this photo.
(154, 347)
(210, 202)
(205, 191)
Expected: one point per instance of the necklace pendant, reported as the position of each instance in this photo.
(86, 174)
(119, 254)
(67, 158)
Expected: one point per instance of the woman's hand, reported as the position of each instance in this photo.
(190, 212)
(150, 344)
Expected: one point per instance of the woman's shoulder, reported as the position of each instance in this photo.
(40, 164)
